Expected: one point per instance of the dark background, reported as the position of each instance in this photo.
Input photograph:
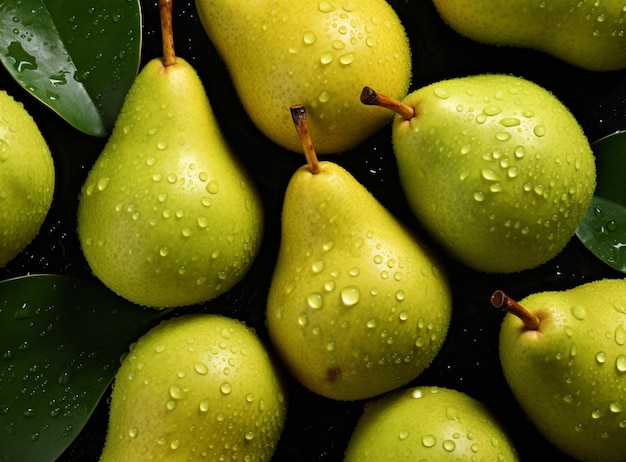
(317, 428)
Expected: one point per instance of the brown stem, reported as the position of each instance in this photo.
(167, 32)
(298, 114)
(370, 97)
(502, 301)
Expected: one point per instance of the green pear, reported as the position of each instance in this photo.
(26, 178)
(311, 52)
(167, 215)
(428, 423)
(196, 387)
(492, 165)
(587, 34)
(563, 354)
(357, 306)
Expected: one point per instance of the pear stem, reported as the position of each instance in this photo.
(167, 32)
(502, 301)
(298, 114)
(371, 98)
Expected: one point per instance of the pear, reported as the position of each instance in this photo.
(281, 53)
(168, 216)
(586, 34)
(428, 423)
(563, 355)
(357, 306)
(492, 164)
(27, 178)
(196, 387)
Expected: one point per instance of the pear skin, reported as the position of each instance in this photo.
(319, 54)
(196, 387)
(168, 216)
(586, 34)
(27, 178)
(492, 164)
(357, 305)
(563, 354)
(428, 423)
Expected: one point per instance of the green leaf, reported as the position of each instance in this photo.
(77, 57)
(62, 340)
(610, 153)
(603, 229)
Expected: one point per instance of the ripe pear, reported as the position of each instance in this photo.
(357, 306)
(428, 423)
(281, 53)
(492, 165)
(168, 216)
(196, 387)
(586, 34)
(27, 178)
(563, 355)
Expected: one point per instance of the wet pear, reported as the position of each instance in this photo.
(492, 165)
(428, 423)
(27, 178)
(311, 52)
(196, 387)
(587, 34)
(357, 305)
(167, 215)
(563, 354)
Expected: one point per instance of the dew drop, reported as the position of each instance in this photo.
(201, 368)
(403, 435)
(350, 295)
(309, 38)
(315, 300)
(600, 357)
(346, 59)
(441, 93)
(326, 58)
(578, 312)
(317, 266)
(620, 363)
(510, 121)
(204, 405)
(539, 130)
(162, 145)
(212, 187)
(620, 335)
(503, 136)
(479, 196)
(226, 388)
(303, 319)
(429, 441)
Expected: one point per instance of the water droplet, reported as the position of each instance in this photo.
(503, 136)
(326, 7)
(204, 405)
(350, 295)
(303, 319)
(400, 295)
(226, 388)
(328, 246)
(616, 407)
(489, 175)
(309, 38)
(133, 432)
(479, 196)
(315, 300)
(371, 323)
(578, 312)
(429, 441)
(201, 368)
(347, 58)
(441, 93)
(317, 266)
(510, 121)
(176, 392)
(492, 110)
(403, 435)
(326, 58)
(600, 357)
(539, 130)
(620, 363)
(449, 445)
(212, 187)
(329, 286)
(620, 335)
(162, 145)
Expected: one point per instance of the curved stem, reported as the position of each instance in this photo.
(167, 32)
(502, 301)
(371, 98)
(298, 114)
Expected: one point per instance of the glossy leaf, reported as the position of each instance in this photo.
(79, 58)
(62, 339)
(603, 229)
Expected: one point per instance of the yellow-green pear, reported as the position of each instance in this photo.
(588, 34)
(428, 423)
(196, 387)
(494, 166)
(316, 53)
(26, 178)
(563, 354)
(357, 306)
(167, 215)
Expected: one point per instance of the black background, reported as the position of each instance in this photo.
(317, 428)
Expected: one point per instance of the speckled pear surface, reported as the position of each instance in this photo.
(196, 387)
(315, 53)
(167, 215)
(428, 423)
(496, 168)
(569, 375)
(357, 306)
(589, 34)
(27, 178)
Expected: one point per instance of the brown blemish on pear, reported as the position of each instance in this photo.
(333, 374)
